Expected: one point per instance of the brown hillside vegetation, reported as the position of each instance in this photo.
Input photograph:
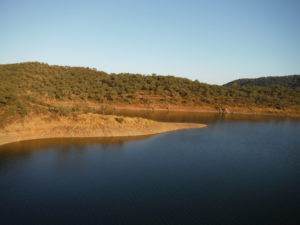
(38, 88)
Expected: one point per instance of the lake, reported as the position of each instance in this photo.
(238, 170)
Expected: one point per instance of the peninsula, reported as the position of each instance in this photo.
(85, 125)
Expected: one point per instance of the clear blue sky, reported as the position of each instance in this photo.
(214, 41)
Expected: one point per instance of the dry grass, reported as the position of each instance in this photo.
(85, 125)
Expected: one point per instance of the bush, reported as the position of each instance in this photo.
(60, 110)
(119, 119)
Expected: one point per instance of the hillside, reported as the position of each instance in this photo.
(40, 88)
(291, 81)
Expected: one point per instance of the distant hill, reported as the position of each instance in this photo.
(291, 81)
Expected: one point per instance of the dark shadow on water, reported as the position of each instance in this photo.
(65, 144)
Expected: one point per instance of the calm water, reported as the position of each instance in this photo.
(238, 170)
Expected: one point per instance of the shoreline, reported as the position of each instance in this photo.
(221, 110)
(105, 108)
(87, 126)
(67, 127)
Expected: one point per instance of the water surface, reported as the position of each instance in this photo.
(238, 170)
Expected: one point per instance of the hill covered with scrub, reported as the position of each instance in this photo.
(41, 88)
(291, 81)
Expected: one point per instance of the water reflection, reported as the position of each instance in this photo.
(198, 117)
(65, 144)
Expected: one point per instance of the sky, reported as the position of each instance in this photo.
(213, 41)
